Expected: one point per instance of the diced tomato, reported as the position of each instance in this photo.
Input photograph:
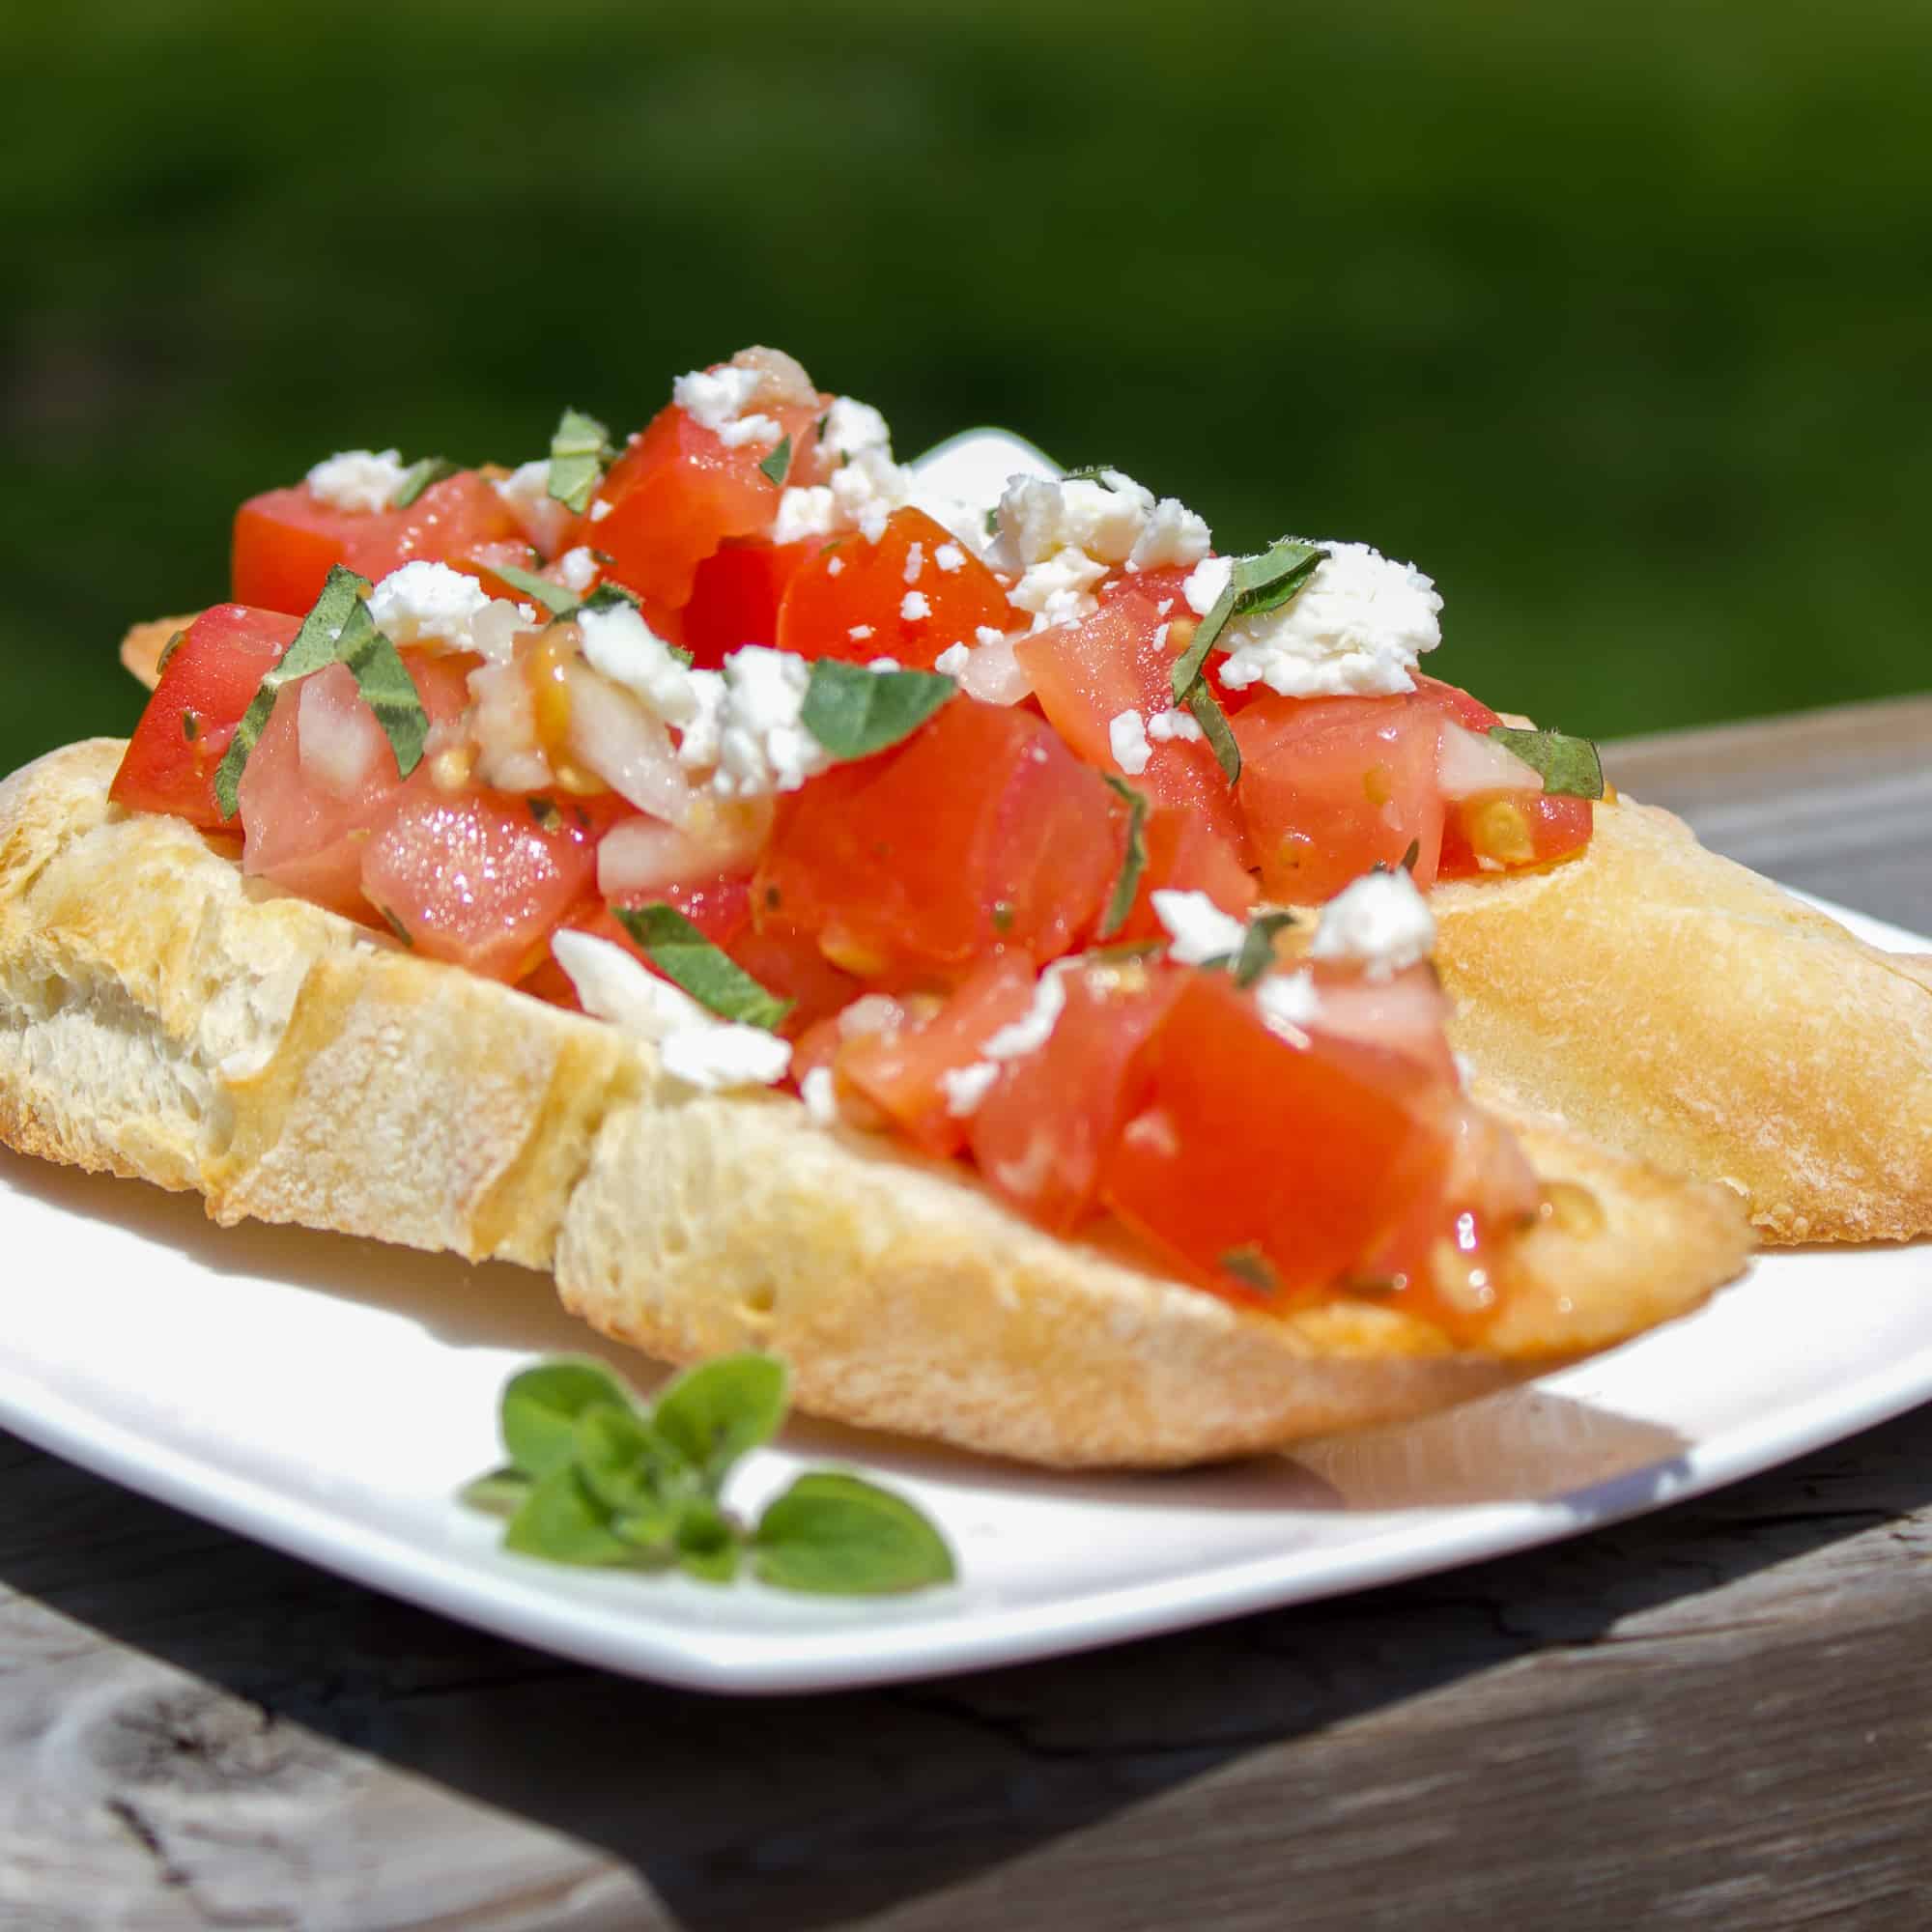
(1186, 854)
(286, 541)
(1121, 658)
(855, 587)
(208, 682)
(1332, 786)
(735, 597)
(981, 830)
(476, 879)
(903, 1073)
(1266, 1168)
(1040, 1133)
(323, 774)
(678, 493)
(1471, 713)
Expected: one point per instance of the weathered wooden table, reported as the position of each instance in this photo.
(1720, 1715)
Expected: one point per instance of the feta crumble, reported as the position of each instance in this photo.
(1059, 590)
(858, 633)
(1165, 727)
(1206, 582)
(1357, 627)
(1035, 1027)
(424, 601)
(821, 1097)
(953, 662)
(805, 512)
(1381, 920)
(761, 746)
(1126, 734)
(358, 479)
(949, 556)
(618, 644)
(915, 561)
(913, 607)
(1197, 928)
(578, 568)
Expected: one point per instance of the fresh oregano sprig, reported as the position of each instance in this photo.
(597, 1478)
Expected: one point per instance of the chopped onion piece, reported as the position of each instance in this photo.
(1469, 765)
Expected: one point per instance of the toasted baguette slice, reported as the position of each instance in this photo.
(159, 1019)
(1667, 1002)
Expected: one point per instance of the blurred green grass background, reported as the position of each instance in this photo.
(1615, 320)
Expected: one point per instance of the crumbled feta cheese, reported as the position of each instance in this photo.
(578, 568)
(967, 1086)
(1039, 517)
(712, 398)
(820, 1096)
(718, 1056)
(1166, 727)
(884, 663)
(424, 601)
(986, 636)
(358, 479)
(915, 561)
(750, 429)
(1206, 582)
(1161, 609)
(949, 556)
(1035, 1027)
(761, 744)
(728, 401)
(1126, 734)
(1288, 1001)
(867, 490)
(807, 512)
(1357, 628)
(1379, 921)
(953, 661)
(1059, 590)
(835, 566)
(852, 427)
(858, 633)
(1172, 535)
(620, 645)
(913, 607)
(1198, 930)
(991, 673)
(600, 509)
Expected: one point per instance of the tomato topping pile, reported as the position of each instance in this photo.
(909, 783)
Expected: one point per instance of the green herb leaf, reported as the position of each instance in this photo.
(993, 521)
(711, 977)
(190, 724)
(854, 712)
(712, 1414)
(541, 1406)
(563, 1523)
(580, 451)
(608, 596)
(1255, 584)
(630, 1468)
(417, 478)
(396, 926)
(314, 645)
(387, 687)
(1120, 901)
(556, 598)
(501, 1493)
(1257, 953)
(1127, 948)
(778, 465)
(708, 1541)
(840, 1535)
(1215, 728)
(1093, 472)
(1570, 766)
(1251, 1268)
(544, 811)
(1412, 855)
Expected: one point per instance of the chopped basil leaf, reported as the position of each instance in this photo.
(173, 645)
(1093, 472)
(854, 712)
(555, 598)
(1214, 727)
(1570, 766)
(608, 596)
(417, 478)
(1251, 1268)
(1128, 949)
(1257, 953)
(1003, 916)
(579, 452)
(778, 465)
(387, 687)
(396, 926)
(544, 811)
(315, 645)
(1255, 585)
(1121, 901)
(993, 521)
(1414, 853)
(711, 977)
(190, 726)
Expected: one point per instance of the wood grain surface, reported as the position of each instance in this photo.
(1719, 1716)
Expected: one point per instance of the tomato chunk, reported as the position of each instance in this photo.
(981, 830)
(1186, 854)
(208, 682)
(1041, 1132)
(903, 1072)
(286, 541)
(852, 599)
(475, 879)
(677, 493)
(735, 597)
(1331, 786)
(1121, 658)
(1262, 1166)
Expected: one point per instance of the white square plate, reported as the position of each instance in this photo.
(328, 1396)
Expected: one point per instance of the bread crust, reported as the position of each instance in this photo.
(162, 1018)
(1670, 1002)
